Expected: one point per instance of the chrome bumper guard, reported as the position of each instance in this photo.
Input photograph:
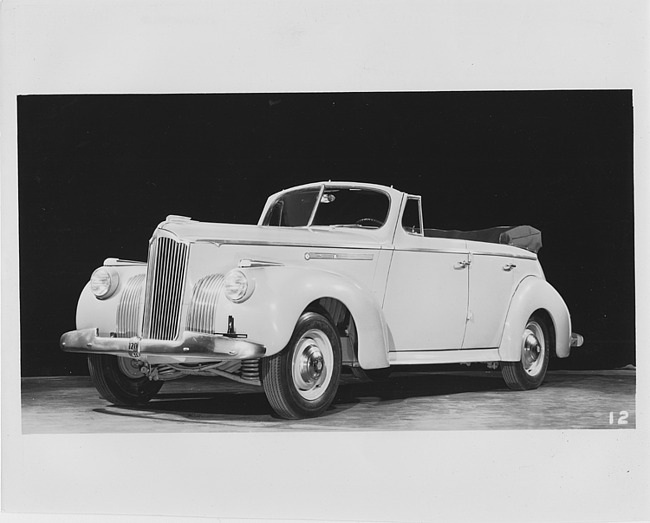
(197, 345)
(576, 340)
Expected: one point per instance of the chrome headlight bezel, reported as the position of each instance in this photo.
(104, 282)
(237, 286)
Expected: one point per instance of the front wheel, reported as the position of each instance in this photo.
(529, 372)
(120, 381)
(301, 380)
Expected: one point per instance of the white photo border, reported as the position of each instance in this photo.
(173, 46)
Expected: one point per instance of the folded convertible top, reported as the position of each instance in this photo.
(522, 236)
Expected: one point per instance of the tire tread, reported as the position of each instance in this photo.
(273, 385)
(275, 371)
(513, 373)
(107, 378)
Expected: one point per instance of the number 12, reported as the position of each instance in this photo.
(622, 417)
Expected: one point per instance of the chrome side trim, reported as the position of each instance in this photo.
(219, 243)
(337, 256)
(438, 251)
(203, 306)
(474, 253)
(357, 247)
(129, 310)
(111, 262)
(505, 255)
(252, 264)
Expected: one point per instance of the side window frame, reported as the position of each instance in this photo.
(420, 217)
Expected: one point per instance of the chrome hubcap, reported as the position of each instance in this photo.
(533, 348)
(311, 364)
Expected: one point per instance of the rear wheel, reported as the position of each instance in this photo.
(529, 372)
(301, 380)
(120, 381)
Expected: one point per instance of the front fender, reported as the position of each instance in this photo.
(283, 293)
(532, 294)
(96, 313)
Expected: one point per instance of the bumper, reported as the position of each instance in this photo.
(576, 340)
(190, 346)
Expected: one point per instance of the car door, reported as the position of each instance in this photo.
(425, 303)
(491, 285)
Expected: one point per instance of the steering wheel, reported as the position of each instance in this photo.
(369, 221)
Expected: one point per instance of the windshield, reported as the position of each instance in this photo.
(294, 209)
(337, 206)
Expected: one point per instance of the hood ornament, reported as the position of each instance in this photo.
(177, 218)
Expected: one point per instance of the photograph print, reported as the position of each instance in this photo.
(349, 261)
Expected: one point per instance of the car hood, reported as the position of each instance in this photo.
(193, 231)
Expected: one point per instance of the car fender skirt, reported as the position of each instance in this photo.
(189, 346)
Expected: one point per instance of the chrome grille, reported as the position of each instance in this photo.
(201, 314)
(129, 310)
(165, 282)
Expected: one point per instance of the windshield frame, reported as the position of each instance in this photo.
(315, 209)
(322, 188)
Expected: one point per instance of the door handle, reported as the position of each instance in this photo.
(462, 265)
(509, 266)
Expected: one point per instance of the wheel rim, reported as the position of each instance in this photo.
(130, 367)
(533, 348)
(312, 363)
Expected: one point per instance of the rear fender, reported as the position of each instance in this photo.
(532, 294)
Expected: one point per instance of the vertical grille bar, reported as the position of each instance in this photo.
(165, 284)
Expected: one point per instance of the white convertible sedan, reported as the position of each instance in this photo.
(334, 274)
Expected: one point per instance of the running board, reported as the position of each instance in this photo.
(422, 357)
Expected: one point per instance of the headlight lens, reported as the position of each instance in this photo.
(237, 287)
(103, 283)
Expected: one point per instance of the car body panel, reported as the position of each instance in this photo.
(426, 296)
(495, 272)
(102, 314)
(535, 294)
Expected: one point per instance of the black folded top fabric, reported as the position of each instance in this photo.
(522, 236)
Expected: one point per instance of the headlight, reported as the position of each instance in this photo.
(237, 287)
(103, 283)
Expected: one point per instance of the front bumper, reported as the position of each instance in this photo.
(189, 346)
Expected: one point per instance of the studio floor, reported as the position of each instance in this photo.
(472, 400)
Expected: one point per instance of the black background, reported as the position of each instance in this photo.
(97, 173)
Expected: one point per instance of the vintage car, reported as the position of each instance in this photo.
(335, 274)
